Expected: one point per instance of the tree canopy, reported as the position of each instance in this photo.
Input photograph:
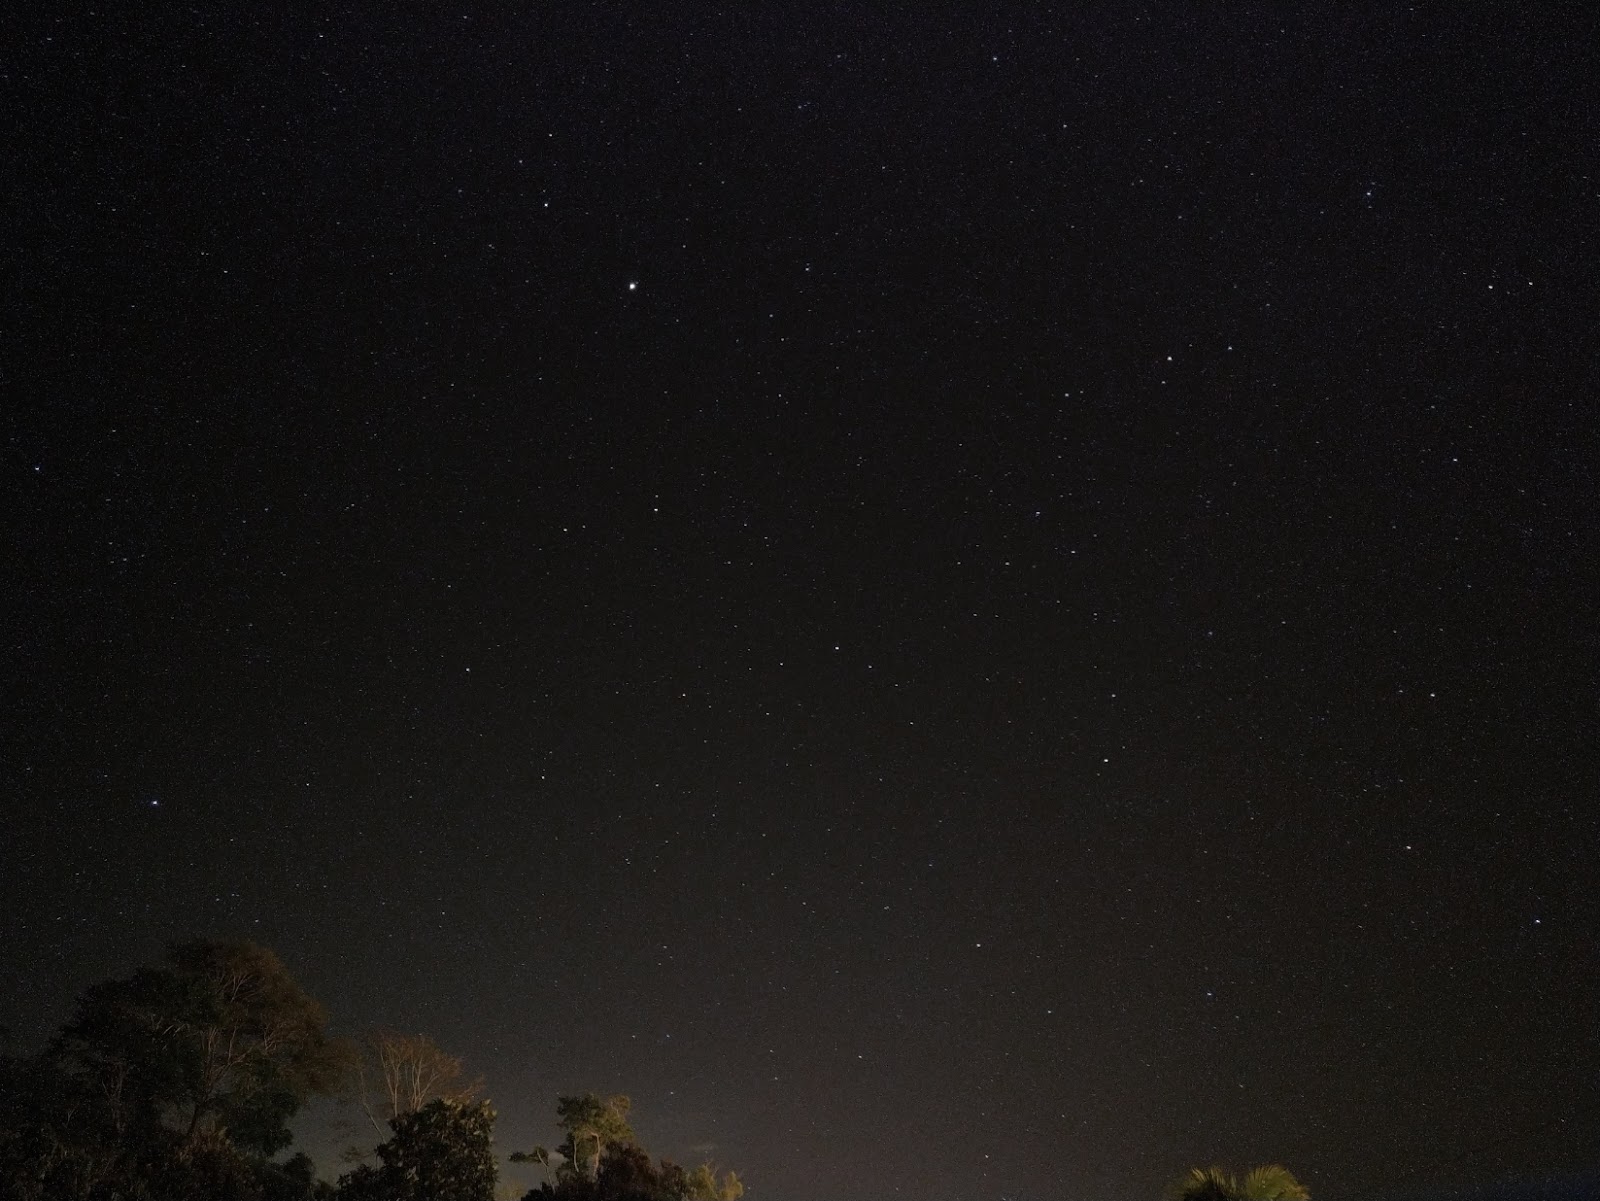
(180, 1079)
(593, 1124)
(601, 1160)
(1269, 1182)
(177, 1083)
(443, 1151)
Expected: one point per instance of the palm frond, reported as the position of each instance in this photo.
(1273, 1182)
(1205, 1184)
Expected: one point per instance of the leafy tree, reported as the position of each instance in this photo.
(703, 1185)
(294, 1180)
(176, 1082)
(1270, 1182)
(54, 1138)
(206, 1167)
(441, 1152)
(592, 1124)
(220, 1042)
(674, 1181)
(601, 1160)
(626, 1174)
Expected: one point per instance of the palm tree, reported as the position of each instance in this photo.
(1273, 1182)
(1270, 1182)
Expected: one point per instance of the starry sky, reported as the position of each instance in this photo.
(965, 604)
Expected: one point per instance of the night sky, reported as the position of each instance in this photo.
(966, 606)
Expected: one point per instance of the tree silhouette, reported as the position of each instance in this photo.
(1270, 1182)
(592, 1124)
(601, 1160)
(219, 1043)
(703, 1185)
(441, 1152)
(400, 1073)
(177, 1082)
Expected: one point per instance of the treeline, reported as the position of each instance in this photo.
(179, 1082)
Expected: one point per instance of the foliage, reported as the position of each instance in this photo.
(54, 1139)
(293, 1180)
(601, 1160)
(441, 1152)
(592, 1124)
(219, 1042)
(176, 1082)
(1273, 1182)
(1270, 1182)
(703, 1185)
